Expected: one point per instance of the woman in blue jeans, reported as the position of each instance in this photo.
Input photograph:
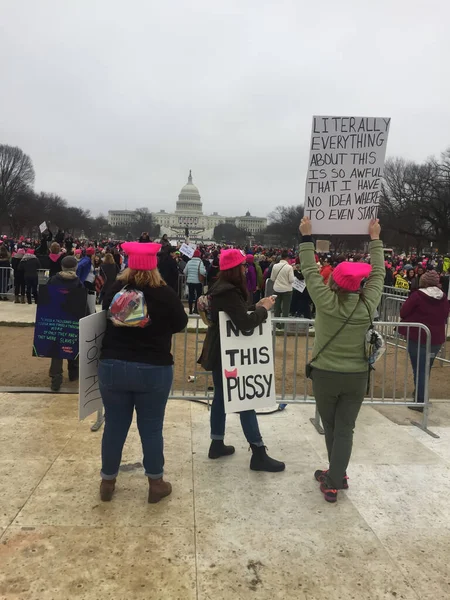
(136, 371)
(229, 294)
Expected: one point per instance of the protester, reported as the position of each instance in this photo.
(30, 266)
(167, 266)
(429, 306)
(251, 278)
(414, 284)
(55, 257)
(19, 277)
(136, 371)
(108, 271)
(326, 270)
(213, 273)
(282, 277)
(230, 295)
(339, 367)
(5, 272)
(85, 269)
(195, 275)
(66, 278)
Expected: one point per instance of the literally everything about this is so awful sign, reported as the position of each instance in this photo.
(92, 331)
(247, 366)
(58, 313)
(345, 170)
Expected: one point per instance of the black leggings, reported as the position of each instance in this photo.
(195, 291)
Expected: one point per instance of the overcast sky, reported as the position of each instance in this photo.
(115, 101)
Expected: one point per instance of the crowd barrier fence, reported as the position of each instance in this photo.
(7, 280)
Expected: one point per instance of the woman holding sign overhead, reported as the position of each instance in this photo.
(339, 368)
(230, 295)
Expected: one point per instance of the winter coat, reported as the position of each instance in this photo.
(168, 269)
(430, 307)
(84, 268)
(194, 267)
(227, 298)
(251, 277)
(109, 272)
(29, 265)
(55, 263)
(66, 279)
(326, 271)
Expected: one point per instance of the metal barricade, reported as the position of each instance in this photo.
(6, 282)
(182, 286)
(391, 383)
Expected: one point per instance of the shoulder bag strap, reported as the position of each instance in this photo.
(335, 335)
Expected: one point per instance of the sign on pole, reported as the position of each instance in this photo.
(43, 227)
(58, 313)
(188, 250)
(345, 170)
(92, 330)
(247, 366)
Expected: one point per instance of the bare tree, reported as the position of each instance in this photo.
(16, 177)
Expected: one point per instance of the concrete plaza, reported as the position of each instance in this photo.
(226, 532)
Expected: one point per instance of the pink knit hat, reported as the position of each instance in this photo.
(90, 251)
(349, 275)
(142, 257)
(231, 258)
(30, 251)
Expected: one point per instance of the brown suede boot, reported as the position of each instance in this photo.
(107, 488)
(158, 489)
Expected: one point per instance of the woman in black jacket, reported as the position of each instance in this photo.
(230, 295)
(136, 370)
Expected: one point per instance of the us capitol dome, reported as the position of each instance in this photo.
(189, 214)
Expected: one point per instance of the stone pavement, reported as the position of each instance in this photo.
(226, 532)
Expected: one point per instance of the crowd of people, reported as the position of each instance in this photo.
(342, 292)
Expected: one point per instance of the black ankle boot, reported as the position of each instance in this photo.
(218, 449)
(262, 462)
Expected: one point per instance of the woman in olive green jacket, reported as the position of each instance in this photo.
(340, 368)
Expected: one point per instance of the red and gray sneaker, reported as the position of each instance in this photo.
(329, 495)
(320, 476)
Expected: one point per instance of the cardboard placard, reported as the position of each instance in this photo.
(247, 366)
(92, 330)
(322, 246)
(299, 285)
(188, 250)
(43, 227)
(57, 316)
(345, 171)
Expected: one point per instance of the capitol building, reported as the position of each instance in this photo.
(189, 214)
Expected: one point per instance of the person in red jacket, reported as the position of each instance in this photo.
(429, 306)
(326, 270)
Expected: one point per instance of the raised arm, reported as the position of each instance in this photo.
(374, 285)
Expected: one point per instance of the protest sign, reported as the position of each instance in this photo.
(43, 227)
(299, 285)
(92, 330)
(345, 170)
(401, 283)
(58, 313)
(248, 368)
(188, 250)
(322, 246)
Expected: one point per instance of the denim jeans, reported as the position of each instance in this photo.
(31, 284)
(417, 355)
(124, 386)
(249, 421)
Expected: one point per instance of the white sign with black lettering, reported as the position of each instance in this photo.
(92, 330)
(299, 286)
(247, 366)
(345, 172)
(43, 227)
(188, 250)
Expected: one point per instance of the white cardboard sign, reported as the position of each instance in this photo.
(247, 366)
(187, 250)
(92, 330)
(299, 285)
(345, 171)
(43, 227)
